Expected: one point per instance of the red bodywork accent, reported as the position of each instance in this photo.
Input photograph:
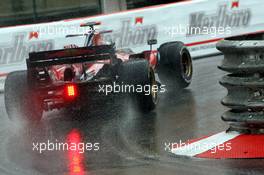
(151, 56)
(58, 70)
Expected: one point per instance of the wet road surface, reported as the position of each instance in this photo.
(128, 142)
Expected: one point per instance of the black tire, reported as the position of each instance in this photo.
(175, 65)
(21, 101)
(138, 72)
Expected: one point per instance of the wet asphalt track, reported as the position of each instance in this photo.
(130, 143)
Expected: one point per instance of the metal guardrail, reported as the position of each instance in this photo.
(244, 61)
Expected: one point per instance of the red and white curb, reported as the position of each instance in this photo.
(223, 145)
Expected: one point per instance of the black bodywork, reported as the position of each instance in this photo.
(52, 93)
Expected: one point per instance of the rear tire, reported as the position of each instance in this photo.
(21, 101)
(139, 72)
(175, 64)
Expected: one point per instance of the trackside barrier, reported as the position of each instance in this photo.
(200, 24)
(244, 60)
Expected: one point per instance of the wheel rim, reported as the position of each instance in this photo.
(153, 82)
(186, 65)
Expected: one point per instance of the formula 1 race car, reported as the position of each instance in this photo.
(74, 76)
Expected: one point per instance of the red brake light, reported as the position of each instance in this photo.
(71, 91)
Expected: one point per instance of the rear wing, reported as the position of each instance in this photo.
(70, 56)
